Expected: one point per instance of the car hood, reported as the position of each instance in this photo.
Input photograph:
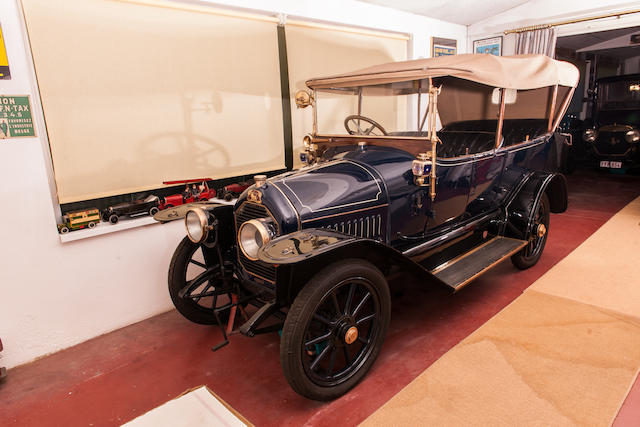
(332, 188)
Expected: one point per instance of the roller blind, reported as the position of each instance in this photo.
(136, 93)
(319, 50)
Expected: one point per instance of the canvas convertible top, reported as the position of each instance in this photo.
(520, 72)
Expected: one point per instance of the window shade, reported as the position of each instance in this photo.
(317, 50)
(136, 94)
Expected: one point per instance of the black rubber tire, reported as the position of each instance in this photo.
(154, 210)
(91, 224)
(64, 230)
(177, 276)
(113, 219)
(303, 309)
(228, 197)
(528, 257)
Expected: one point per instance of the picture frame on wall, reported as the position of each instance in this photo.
(492, 46)
(443, 47)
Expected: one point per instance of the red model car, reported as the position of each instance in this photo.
(195, 190)
(232, 191)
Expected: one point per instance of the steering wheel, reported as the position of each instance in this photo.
(356, 119)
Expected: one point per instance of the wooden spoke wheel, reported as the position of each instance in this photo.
(530, 254)
(197, 289)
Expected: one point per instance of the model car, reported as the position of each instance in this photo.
(77, 220)
(149, 205)
(614, 138)
(231, 191)
(439, 167)
(195, 190)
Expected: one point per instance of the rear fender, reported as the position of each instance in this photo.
(302, 254)
(521, 209)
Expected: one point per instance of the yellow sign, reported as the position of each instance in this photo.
(4, 62)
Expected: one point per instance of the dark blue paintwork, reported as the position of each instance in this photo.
(369, 192)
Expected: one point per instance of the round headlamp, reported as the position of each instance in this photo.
(253, 235)
(632, 136)
(197, 225)
(589, 135)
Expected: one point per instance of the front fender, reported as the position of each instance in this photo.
(302, 254)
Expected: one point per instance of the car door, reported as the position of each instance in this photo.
(485, 192)
(452, 192)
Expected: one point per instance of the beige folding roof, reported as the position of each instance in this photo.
(513, 72)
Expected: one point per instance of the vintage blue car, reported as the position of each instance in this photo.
(614, 139)
(440, 167)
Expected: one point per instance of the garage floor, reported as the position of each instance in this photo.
(118, 376)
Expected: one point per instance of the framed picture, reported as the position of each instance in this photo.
(492, 46)
(442, 47)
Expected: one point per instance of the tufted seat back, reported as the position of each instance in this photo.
(513, 130)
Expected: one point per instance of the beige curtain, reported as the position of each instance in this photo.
(140, 92)
(319, 50)
(537, 41)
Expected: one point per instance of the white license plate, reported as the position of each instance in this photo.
(612, 165)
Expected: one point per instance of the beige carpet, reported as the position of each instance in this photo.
(605, 270)
(563, 353)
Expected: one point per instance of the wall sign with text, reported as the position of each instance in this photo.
(15, 117)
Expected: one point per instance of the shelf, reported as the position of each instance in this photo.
(123, 224)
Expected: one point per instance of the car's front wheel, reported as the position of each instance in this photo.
(530, 254)
(197, 289)
(334, 329)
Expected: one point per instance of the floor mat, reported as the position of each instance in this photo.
(538, 362)
(603, 270)
(566, 352)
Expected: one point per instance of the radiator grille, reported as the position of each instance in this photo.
(258, 268)
(612, 143)
(369, 227)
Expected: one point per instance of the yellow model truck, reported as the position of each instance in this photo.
(79, 219)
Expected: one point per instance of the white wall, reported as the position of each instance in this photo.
(537, 12)
(55, 295)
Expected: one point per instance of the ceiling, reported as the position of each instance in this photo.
(465, 12)
(581, 41)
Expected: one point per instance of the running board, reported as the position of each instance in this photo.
(458, 272)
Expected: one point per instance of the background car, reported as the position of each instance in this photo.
(614, 138)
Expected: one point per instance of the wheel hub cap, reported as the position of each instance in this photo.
(351, 335)
(542, 230)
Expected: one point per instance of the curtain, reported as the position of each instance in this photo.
(321, 50)
(537, 41)
(137, 93)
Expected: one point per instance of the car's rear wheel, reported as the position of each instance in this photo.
(197, 289)
(530, 254)
(334, 329)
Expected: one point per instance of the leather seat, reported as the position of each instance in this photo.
(513, 130)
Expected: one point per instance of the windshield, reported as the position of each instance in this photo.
(620, 95)
(400, 109)
(369, 110)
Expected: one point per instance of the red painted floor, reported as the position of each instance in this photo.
(118, 376)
